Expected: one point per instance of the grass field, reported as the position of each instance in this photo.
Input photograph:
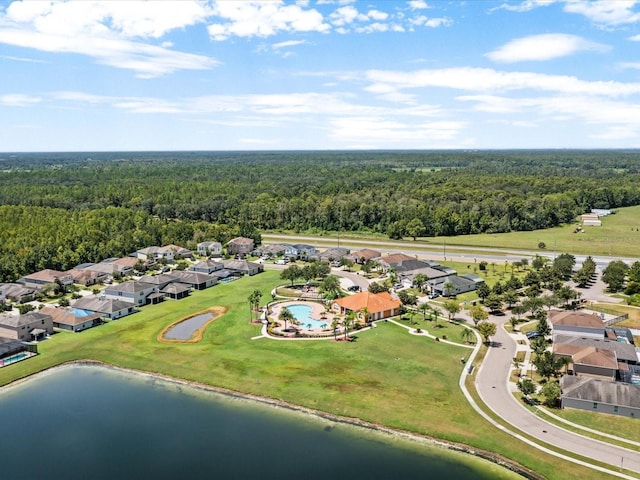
(619, 235)
(386, 376)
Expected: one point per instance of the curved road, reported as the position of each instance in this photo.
(491, 383)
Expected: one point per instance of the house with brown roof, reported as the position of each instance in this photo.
(361, 256)
(240, 246)
(578, 323)
(87, 277)
(16, 292)
(589, 361)
(72, 319)
(27, 327)
(209, 249)
(106, 307)
(378, 305)
(47, 276)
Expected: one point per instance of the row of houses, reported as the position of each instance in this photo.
(603, 370)
(116, 300)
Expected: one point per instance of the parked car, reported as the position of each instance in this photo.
(533, 334)
(354, 288)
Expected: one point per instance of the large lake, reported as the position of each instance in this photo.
(94, 423)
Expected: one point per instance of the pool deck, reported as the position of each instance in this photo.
(317, 311)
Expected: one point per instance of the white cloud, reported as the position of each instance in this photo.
(631, 65)
(543, 47)
(424, 21)
(635, 38)
(263, 19)
(605, 12)
(22, 59)
(104, 31)
(18, 100)
(288, 43)
(417, 5)
(346, 15)
(525, 6)
(487, 80)
(377, 15)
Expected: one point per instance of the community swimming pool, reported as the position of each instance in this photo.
(302, 314)
(80, 313)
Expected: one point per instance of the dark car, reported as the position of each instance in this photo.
(532, 335)
(354, 288)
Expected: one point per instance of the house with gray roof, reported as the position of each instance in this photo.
(197, 281)
(596, 395)
(28, 327)
(133, 292)
(160, 280)
(300, 250)
(625, 353)
(206, 266)
(333, 254)
(17, 292)
(176, 290)
(243, 267)
(451, 285)
(109, 308)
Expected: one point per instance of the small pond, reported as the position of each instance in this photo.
(187, 328)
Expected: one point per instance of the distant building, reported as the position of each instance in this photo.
(590, 220)
(106, 307)
(27, 327)
(209, 249)
(595, 395)
(48, 276)
(578, 323)
(72, 319)
(240, 246)
(378, 305)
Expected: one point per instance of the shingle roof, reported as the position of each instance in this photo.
(19, 320)
(101, 305)
(129, 287)
(624, 351)
(66, 317)
(576, 319)
(593, 390)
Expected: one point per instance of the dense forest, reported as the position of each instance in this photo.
(57, 210)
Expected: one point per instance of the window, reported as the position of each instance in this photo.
(615, 409)
(595, 405)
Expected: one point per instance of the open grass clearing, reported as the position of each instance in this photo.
(386, 376)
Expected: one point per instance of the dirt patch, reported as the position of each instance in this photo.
(196, 336)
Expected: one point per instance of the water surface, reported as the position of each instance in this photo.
(94, 423)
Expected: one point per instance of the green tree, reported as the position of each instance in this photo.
(285, 316)
(483, 291)
(614, 275)
(486, 329)
(407, 298)
(424, 308)
(347, 263)
(415, 228)
(330, 287)
(347, 322)
(563, 264)
(526, 387)
(543, 326)
(335, 323)
(292, 273)
(420, 280)
(467, 335)
(377, 287)
(510, 297)
(552, 393)
(547, 365)
(493, 302)
(478, 314)
(452, 307)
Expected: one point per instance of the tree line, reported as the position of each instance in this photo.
(183, 196)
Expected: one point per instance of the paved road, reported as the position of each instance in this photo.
(492, 386)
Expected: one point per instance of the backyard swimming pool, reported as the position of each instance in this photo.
(302, 314)
(78, 312)
(13, 359)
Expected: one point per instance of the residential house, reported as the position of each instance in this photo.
(209, 249)
(168, 253)
(197, 281)
(378, 305)
(48, 276)
(589, 361)
(87, 278)
(206, 266)
(16, 292)
(334, 254)
(109, 268)
(176, 290)
(270, 250)
(160, 281)
(300, 250)
(392, 260)
(365, 254)
(596, 395)
(27, 327)
(578, 323)
(451, 285)
(240, 246)
(72, 319)
(134, 292)
(243, 266)
(590, 220)
(107, 307)
(625, 352)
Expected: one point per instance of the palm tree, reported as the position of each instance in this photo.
(286, 316)
(334, 326)
(347, 322)
(364, 311)
(467, 335)
(424, 307)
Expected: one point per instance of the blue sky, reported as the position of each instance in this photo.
(236, 75)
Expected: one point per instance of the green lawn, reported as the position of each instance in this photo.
(386, 376)
(612, 424)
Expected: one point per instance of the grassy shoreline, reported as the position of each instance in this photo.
(386, 377)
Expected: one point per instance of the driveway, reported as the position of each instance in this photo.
(492, 385)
